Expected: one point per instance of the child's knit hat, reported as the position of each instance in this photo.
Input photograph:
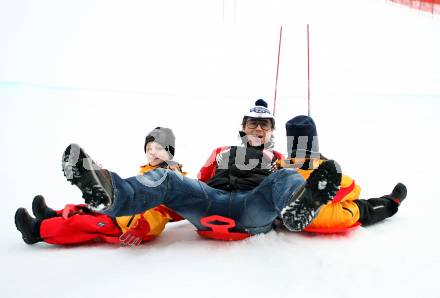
(302, 137)
(163, 136)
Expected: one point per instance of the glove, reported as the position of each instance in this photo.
(134, 235)
(71, 209)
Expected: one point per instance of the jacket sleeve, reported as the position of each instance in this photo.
(208, 170)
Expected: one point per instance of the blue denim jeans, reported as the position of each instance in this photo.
(253, 210)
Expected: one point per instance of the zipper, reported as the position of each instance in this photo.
(130, 220)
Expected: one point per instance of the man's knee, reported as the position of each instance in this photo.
(286, 175)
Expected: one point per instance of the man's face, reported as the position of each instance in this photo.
(258, 131)
(156, 154)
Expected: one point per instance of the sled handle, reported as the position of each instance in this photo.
(223, 225)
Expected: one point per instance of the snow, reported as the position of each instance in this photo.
(104, 73)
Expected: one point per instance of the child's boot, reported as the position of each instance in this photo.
(40, 209)
(28, 226)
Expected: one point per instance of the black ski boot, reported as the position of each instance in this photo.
(40, 209)
(320, 188)
(398, 194)
(94, 182)
(28, 226)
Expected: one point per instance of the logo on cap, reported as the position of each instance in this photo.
(259, 110)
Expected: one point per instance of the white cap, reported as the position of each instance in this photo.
(260, 110)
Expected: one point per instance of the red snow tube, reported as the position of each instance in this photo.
(432, 6)
(332, 230)
(220, 226)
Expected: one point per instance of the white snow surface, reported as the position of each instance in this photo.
(104, 73)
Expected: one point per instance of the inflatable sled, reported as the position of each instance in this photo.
(332, 230)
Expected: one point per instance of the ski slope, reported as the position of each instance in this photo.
(104, 73)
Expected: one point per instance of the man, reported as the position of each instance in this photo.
(243, 183)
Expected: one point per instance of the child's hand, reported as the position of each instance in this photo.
(134, 235)
(70, 210)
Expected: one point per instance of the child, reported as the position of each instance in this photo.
(77, 224)
(345, 209)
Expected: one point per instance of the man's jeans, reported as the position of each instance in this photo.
(253, 210)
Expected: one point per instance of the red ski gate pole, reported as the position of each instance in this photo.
(308, 71)
(278, 67)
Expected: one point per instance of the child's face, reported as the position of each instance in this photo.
(156, 154)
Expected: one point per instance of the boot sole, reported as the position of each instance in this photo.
(325, 181)
(321, 186)
(80, 170)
